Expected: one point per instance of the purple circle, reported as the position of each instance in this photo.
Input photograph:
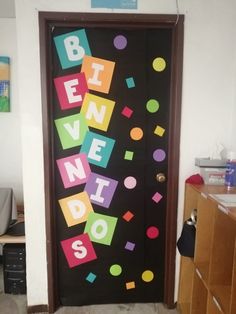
(120, 42)
(159, 155)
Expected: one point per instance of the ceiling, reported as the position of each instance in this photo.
(7, 8)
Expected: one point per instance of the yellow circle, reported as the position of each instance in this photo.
(147, 275)
(159, 64)
(136, 134)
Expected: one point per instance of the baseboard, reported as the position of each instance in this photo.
(41, 308)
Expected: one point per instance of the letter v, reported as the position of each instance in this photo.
(73, 131)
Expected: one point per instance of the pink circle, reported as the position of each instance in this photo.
(152, 232)
(130, 182)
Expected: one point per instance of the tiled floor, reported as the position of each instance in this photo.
(150, 308)
(16, 304)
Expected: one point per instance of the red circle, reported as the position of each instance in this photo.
(152, 232)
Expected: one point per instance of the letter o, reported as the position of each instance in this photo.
(94, 229)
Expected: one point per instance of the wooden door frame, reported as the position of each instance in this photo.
(47, 20)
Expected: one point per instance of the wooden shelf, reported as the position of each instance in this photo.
(208, 282)
(11, 239)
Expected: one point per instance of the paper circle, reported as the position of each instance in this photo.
(136, 134)
(159, 64)
(152, 105)
(147, 275)
(152, 232)
(120, 42)
(159, 155)
(130, 182)
(115, 270)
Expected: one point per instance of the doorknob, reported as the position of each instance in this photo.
(160, 177)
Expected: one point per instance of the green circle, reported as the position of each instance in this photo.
(152, 105)
(115, 270)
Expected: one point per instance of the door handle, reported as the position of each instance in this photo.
(160, 177)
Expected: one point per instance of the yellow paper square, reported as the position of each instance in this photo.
(97, 111)
(76, 208)
(159, 130)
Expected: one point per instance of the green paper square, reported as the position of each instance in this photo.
(71, 130)
(129, 155)
(100, 228)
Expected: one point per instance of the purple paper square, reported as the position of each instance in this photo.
(100, 189)
(130, 246)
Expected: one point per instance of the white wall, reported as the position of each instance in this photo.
(208, 102)
(10, 140)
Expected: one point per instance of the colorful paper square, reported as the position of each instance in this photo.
(71, 48)
(71, 90)
(129, 246)
(157, 197)
(76, 208)
(78, 250)
(97, 111)
(74, 170)
(130, 82)
(71, 130)
(129, 155)
(127, 112)
(100, 189)
(98, 148)
(98, 73)
(100, 228)
(91, 277)
(159, 131)
(130, 285)
(128, 216)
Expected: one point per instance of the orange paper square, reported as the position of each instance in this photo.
(128, 216)
(98, 73)
(130, 285)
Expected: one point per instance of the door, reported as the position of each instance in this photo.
(110, 122)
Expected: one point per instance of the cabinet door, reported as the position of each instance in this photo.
(185, 285)
(221, 268)
(233, 290)
(199, 296)
(205, 223)
(213, 306)
(186, 263)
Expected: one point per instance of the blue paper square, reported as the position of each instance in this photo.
(91, 277)
(130, 82)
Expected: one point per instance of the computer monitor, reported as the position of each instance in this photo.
(8, 209)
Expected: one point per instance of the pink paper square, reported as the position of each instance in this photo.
(127, 112)
(157, 197)
(74, 170)
(78, 250)
(71, 90)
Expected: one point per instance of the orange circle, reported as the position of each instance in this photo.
(136, 134)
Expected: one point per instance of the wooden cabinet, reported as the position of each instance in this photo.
(208, 281)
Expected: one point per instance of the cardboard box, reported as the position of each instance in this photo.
(213, 176)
